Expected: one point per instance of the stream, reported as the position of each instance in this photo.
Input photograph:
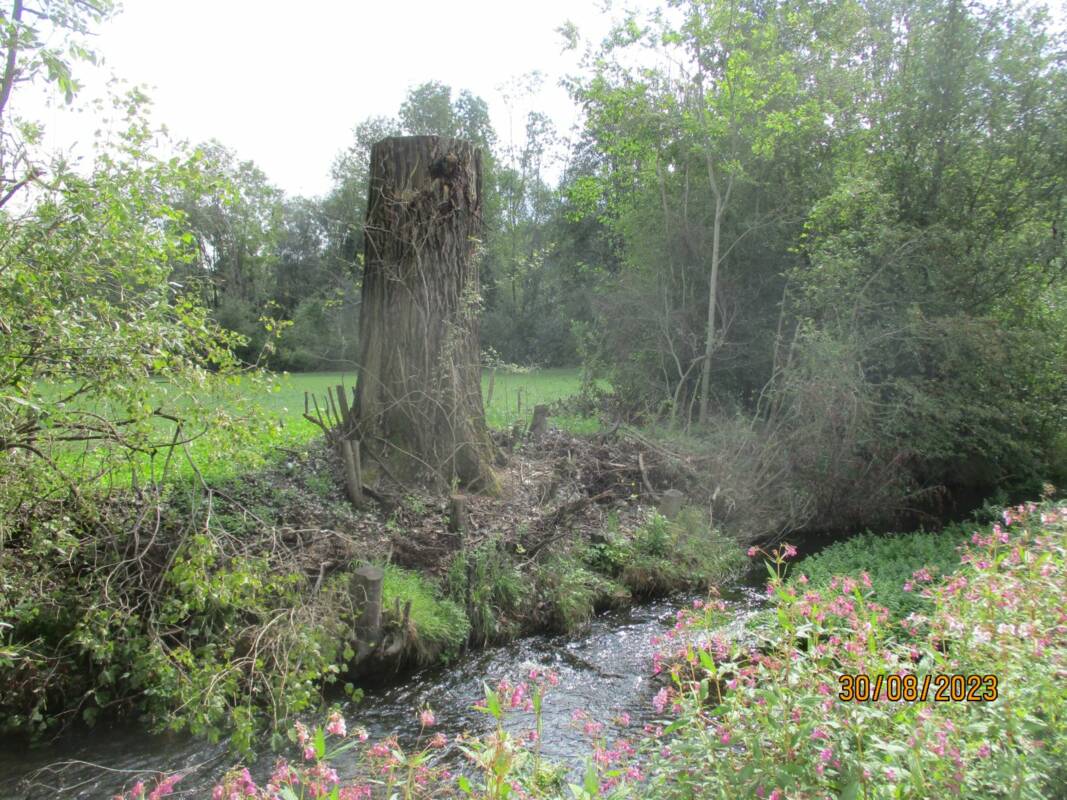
(605, 671)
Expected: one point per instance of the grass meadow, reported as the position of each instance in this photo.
(236, 439)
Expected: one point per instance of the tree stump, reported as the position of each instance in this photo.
(539, 424)
(670, 503)
(419, 398)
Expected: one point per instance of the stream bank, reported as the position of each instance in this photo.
(605, 672)
(213, 609)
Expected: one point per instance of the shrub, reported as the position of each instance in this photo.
(666, 556)
(890, 561)
(573, 593)
(486, 581)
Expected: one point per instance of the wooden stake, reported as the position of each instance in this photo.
(457, 514)
(539, 425)
(365, 588)
(353, 479)
(670, 504)
(346, 417)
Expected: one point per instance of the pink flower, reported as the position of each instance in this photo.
(659, 702)
(302, 734)
(164, 787)
(826, 754)
(137, 790)
(438, 741)
(426, 718)
(309, 753)
(788, 552)
(336, 725)
(752, 551)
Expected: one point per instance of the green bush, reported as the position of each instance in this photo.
(213, 645)
(890, 561)
(666, 556)
(488, 583)
(573, 593)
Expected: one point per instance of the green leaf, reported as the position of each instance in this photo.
(707, 661)
(590, 781)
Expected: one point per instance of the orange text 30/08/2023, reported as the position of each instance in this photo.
(911, 688)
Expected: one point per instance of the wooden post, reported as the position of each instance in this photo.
(353, 472)
(489, 391)
(670, 503)
(365, 588)
(457, 514)
(346, 417)
(539, 425)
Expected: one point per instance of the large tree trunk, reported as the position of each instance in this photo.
(419, 398)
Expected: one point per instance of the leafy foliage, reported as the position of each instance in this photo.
(777, 722)
(890, 561)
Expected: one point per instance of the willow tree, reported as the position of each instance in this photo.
(419, 400)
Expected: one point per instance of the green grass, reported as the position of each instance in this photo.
(438, 625)
(233, 446)
(514, 396)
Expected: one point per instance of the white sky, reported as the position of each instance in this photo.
(283, 84)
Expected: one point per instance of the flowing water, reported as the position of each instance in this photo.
(605, 671)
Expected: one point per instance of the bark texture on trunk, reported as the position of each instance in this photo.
(419, 399)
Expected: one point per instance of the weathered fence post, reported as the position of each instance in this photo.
(457, 514)
(353, 471)
(670, 503)
(539, 425)
(365, 589)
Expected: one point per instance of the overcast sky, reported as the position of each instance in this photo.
(283, 84)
